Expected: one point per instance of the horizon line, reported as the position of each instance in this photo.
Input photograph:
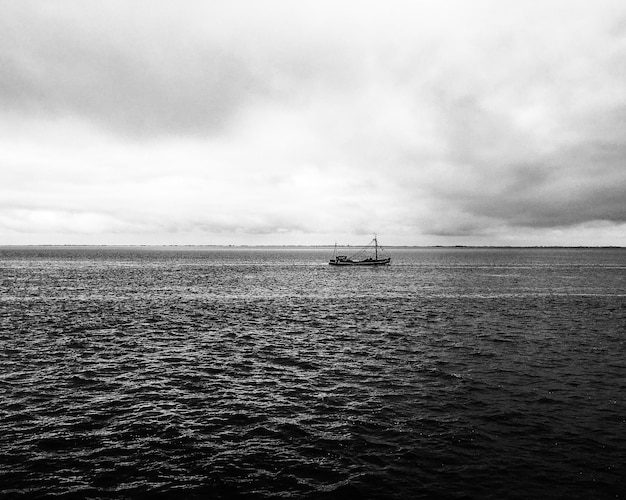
(332, 245)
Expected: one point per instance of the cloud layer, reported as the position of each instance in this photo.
(282, 122)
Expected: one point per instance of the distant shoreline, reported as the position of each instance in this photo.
(399, 247)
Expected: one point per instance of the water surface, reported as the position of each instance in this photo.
(265, 373)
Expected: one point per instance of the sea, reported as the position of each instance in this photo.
(257, 373)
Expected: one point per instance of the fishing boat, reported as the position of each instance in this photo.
(363, 257)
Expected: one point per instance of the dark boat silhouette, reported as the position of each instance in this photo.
(359, 259)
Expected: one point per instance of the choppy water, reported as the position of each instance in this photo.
(265, 373)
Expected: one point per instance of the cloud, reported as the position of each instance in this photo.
(481, 121)
(129, 79)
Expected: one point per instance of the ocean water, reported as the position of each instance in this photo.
(148, 372)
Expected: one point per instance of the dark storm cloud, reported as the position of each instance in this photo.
(121, 68)
(49, 70)
(556, 161)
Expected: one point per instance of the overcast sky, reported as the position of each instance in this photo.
(310, 122)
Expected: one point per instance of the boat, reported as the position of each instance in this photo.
(361, 258)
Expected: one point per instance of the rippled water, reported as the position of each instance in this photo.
(265, 373)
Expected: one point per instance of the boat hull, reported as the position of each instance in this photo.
(372, 262)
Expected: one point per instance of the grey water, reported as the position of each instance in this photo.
(201, 372)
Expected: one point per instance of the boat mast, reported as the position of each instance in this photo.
(376, 246)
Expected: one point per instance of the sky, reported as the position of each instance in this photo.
(313, 122)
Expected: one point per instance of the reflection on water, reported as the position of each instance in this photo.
(465, 373)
